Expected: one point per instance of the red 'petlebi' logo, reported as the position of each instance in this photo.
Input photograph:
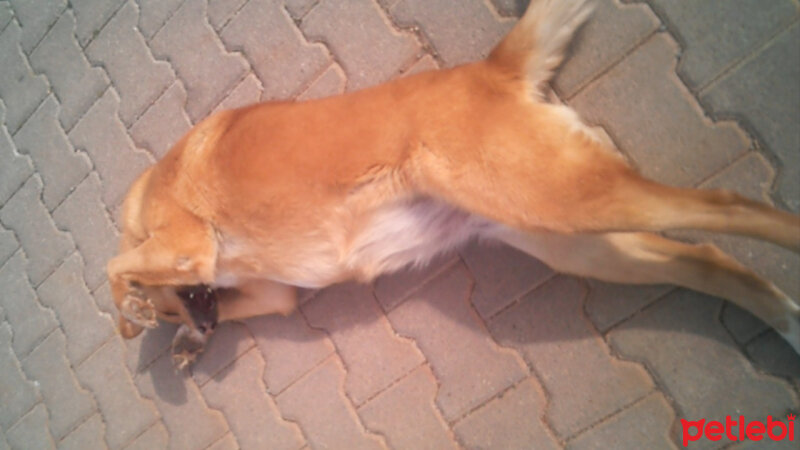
(737, 430)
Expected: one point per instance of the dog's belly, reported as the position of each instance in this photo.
(379, 241)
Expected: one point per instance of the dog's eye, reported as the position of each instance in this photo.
(201, 328)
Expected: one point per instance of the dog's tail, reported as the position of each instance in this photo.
(535, 46)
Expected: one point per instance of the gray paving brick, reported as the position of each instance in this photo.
(164, 123)
(85, 217)
(331, 82)
(153, 14)
(513, 420)
(151, 344)
(189, 422)
(757, 92)
(459, 35)
(29, 320)
(424, 64)
(289, 347)
(125, 412)
(502, 274)
(680, 146)
(208, 71)
(68, 404)
(8, 244)
(679, 339)
(3, 442)
(351, 316)
(122, 51)
(221, 11)
(644, 425)
(230, 341)
(61, 167)
(89, 434)
(613, 30)
(406, 414)
(771, 354)
(14, 167)
(328, 421)
(17, 394)
(742, 325)
(102, 135)
(253, 415)
(285, 62)
(392, 289)
(470, 367)
(20, 89)
(561, 340)
(370, 53)
(32, 431)
(36, 17)
(155, 437)
(609, 304)
(716, 34)
(90, 16)
(76, 84)
(228, 442)
(44, 244)
(102, 297)
(247, 92)
(65, 293)
(6, 15)
(299, 8)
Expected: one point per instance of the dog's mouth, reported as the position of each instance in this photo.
(201, 301)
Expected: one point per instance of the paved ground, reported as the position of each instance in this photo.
(484, 349)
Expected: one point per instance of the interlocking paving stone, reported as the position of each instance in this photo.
(254, 418)
(29, 320)
(102, 297)
(299, 8)
(67, 403)
(679, 145)
(643, 425)
(424, 64)
(245, 93)
(89, 434)
(125, 412)
(85, 217)
(90, 16)
(502, 274)
(3, 442)
(76, 84)
(6, 15)
(221, 11)
(116, 159)
(406, 414)
(36, 17)
(331, 82)
(392, 289)
(135, 74)
(230, 341)
(60, 166)
(20, 89)
(370, 53)
(459, 35)
(613, 30)
(715, 34)
(609, 304)
(771, 354)
(151, 344)
(513, 420)
(45, 246)
(327, 421)
(14, 167)
(153, 14)
(65, 293)
(32, 431)
(199, 58)
(351, 316)
(164, 123)
(285, 62)
(560, 340)
(679, 339)
(17, 393)
(190, 423)
(155, 437)
(228, 442)
(758, 93)
(289, 347)
(470, 367)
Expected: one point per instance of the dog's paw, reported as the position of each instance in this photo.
(187, 344)
(139, 310)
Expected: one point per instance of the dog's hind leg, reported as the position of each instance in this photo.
(646, 258)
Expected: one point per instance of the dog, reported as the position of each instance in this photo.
(255, 202)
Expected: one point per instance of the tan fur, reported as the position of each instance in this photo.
(276, 195)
